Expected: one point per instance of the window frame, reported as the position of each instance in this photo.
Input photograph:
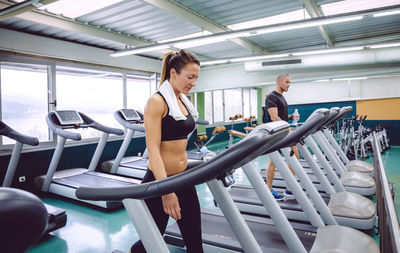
(213, 123)
(52, 93)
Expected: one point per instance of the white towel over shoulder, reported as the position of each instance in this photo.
(169, 95)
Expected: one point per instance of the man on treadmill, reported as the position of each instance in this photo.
(277, 109)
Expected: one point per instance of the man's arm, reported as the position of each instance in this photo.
(273, 113)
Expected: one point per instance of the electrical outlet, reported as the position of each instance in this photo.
(21, 179)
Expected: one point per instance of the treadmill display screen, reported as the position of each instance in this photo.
(68, 117)
(130, 114)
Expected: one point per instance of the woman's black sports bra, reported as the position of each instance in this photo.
(172, 129)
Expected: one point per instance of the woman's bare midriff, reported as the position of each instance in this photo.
(173, 154)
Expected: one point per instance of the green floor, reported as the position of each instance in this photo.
(92, 230)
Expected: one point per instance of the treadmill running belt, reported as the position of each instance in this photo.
(138, 164)
(217, 232)
(89, 180)
(249, 196)
(193, 155)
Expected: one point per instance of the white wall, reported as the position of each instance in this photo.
(330, 91)
(234, 75)
(319, 92)
(304, 89)
(37, 45)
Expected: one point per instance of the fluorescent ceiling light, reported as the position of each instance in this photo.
(388, 13)
(327, 51)
(311, 52)
(139, 50)
(241, 59)
(213, 62)
(304, 25)
(213, 38)
(259, 57)
(281, 18)
(200, 42)
(349, 78)
(345, 6)
(187, 36)
(210, 40)
(322, 80)
(77, 8)
(385, 45)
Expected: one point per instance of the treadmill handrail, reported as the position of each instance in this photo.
(57, 129)
(96, 125)
(344, 111)
(239, 154)
(334, 111)
(313, 122)
(202, 122)
(127, 124)
(341, 113)
(6, 130)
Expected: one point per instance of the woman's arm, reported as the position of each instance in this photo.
(154, 112)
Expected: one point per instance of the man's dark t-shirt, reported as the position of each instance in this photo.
(274, 99)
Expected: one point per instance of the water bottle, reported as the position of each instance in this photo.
(296, 117)
(203, 150)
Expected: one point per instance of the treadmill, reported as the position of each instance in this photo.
(354, 165)
(348, 209)
(57, 218)
(353, 181)
(136, 166)
(65, 182)
(230, 231)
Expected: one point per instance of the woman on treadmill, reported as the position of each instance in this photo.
(169, 118)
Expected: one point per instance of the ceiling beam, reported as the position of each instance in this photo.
(314, 11)
(203, 22)
(22, 7)
(75, 26)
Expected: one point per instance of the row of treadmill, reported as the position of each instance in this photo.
(331, 211)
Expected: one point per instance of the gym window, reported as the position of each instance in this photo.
(218, 106)
(233, 103)
(30, 87)
(221, 104)
(24, 95)
(253, 102)
(98, 94)
(138, 91)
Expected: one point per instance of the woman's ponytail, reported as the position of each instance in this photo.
(165, 70)
(177, 61)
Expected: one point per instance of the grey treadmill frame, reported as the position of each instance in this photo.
(69, 192)
(310, 187)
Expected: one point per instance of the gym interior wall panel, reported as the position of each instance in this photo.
(305, 110)
(392, 129)
(385, 87)
(380, 109)
(201, 110)
(260, 104)
(314, 92)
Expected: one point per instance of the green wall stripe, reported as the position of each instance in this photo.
(201, 110)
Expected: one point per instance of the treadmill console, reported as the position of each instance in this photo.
(130, 114)
(68, 117)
